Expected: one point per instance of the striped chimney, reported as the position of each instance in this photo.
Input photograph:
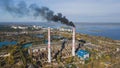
(73, 42)
(49, 50)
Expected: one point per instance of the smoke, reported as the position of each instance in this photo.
(22, 9)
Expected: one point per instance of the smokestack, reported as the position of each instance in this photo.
(73, 42)
(49, 50)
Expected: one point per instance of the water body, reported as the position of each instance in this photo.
(26, 45)
(106, 30)
(6, 43)
(110, 30)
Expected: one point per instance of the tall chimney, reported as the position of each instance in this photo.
(73, 42)
(49, 50)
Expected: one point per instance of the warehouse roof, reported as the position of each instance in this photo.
(81, 53)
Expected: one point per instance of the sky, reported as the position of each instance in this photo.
(74, 10)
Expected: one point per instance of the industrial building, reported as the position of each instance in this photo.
(83, 54)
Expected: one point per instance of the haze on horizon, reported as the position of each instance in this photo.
(74, 10)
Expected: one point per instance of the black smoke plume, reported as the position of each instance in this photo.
(22, 9)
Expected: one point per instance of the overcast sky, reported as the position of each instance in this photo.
(74, 10)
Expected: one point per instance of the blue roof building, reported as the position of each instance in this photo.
(83, 54)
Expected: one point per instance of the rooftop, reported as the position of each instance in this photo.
(81, 53)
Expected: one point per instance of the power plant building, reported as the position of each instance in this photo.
(83, 54)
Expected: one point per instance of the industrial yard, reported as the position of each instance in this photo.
(102, 52)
